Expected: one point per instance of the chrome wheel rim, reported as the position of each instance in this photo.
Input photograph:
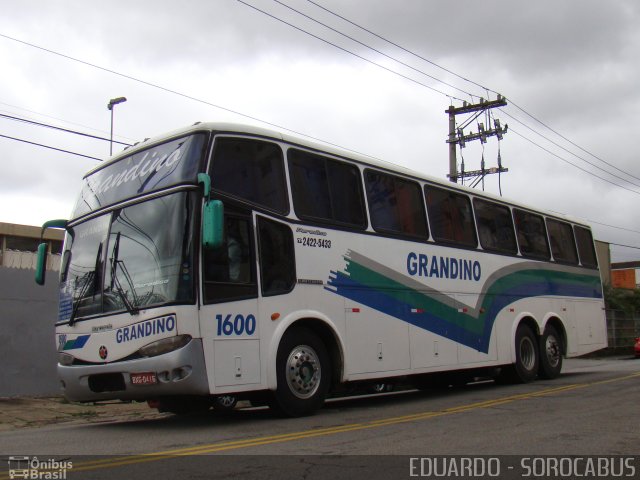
(303, 371)
(527, 353)
(552, 350)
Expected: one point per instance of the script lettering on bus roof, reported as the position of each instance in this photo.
(158, 167)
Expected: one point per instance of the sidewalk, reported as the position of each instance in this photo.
(25, 412)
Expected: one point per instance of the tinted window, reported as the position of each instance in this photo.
(83, 267)
(23, 244)
(326, 190)
(252, 170)
(277, 258)
(495, 227)
(585, 247)
(450, 217)
(532, 235)
(563, 246)
(395, 205)
(229, 271)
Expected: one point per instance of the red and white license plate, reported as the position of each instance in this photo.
(144, 378)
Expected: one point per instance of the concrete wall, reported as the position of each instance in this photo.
(604, 261)
(28, 314)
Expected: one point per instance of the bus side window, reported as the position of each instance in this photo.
(252, 170)
(277, 257)
(585, 247)
(326, 190)
(395, 205)
(563, 246)
(495, 227)
(450, 217)
(532, 235)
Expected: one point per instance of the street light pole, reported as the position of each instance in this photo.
(112, 103)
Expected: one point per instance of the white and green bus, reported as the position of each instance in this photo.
(227, 260)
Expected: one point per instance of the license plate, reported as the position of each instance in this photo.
(144, 378)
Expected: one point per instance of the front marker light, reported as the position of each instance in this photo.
(165, 345)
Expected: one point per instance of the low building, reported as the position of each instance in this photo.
(19, 244)
(625, 275)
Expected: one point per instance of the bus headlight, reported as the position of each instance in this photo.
(165, 345)
(65, 359)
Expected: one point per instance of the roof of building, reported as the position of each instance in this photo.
(30, 231)
(624, 265)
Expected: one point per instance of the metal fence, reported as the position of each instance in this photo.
(622, 329)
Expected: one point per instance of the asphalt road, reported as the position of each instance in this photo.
(592, 409)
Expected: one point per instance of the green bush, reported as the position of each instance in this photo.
(622, 299)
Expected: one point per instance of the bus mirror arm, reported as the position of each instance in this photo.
(205, 180)
(41, 262)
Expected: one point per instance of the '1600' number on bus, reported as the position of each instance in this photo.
(238, 325)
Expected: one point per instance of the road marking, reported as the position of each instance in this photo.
(288, 437)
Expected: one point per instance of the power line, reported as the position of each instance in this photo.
(61, 119)
(180, 94)
(138, 80)
(625, 246)
(144, 82)
(573, 164)
(273, 124)
(403, 49)
(478, 85)
(366, 46)
(572, 153)
(346, 50)
(568, 140)
(613, 226)
(308, 136)
(75, 132)
(50, 147)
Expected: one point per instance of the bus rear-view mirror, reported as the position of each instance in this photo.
(213, 224)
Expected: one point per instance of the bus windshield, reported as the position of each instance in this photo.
(130, 258)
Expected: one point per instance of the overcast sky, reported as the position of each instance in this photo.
(572, 65)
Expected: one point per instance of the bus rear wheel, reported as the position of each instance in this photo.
(550, 354)
(303, 373)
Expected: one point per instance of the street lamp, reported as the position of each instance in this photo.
(113, 102)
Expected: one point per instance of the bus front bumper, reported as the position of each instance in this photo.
(181, 372)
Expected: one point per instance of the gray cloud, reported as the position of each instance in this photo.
(572, 64)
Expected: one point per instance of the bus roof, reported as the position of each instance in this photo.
(321, 147)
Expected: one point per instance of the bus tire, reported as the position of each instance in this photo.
(527, 357)
(525, 369)
(225, 403)
(550, 354)
(303, 372)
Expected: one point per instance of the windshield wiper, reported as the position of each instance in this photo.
(131, 308)
(90, 276)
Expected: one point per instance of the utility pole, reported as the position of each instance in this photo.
(457, 136)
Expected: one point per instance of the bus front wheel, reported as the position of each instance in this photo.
(303, 373)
